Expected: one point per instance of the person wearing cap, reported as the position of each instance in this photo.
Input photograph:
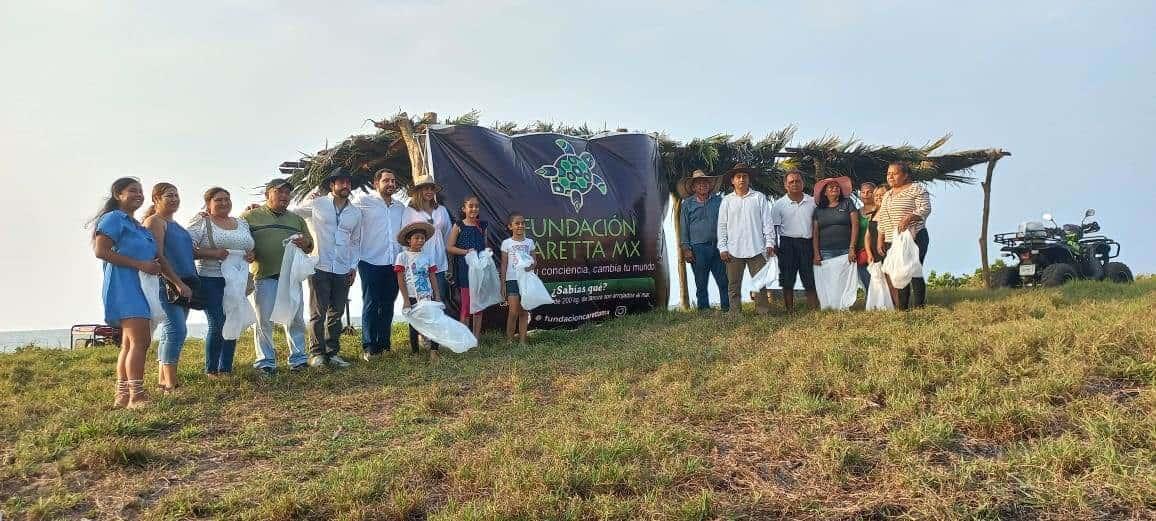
(793, 215)
(425, 207)
(336, 223)
(746, 236)
(271, 224)
(415, 274)
(698, 235)
(381, 217)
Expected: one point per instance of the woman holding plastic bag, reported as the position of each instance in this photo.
(834, 236)
(129, 252)
(904, 209)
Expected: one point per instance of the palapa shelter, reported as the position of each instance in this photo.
(397, 145)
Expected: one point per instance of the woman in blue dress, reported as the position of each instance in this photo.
(175, 253)
(127, 249)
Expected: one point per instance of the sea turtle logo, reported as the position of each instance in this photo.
(572, 175)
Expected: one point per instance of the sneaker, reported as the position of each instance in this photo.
(267, 372)
(369, 357)
(299, 367)
(338, 361)
(317, 361)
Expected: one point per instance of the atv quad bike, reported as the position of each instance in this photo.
(1052, 256)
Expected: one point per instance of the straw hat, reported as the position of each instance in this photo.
(403, 235)
(686, 184)
(425, 180)
(844, 185)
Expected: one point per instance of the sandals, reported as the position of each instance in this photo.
(121, 399)
(137, 397)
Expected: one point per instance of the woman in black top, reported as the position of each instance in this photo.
(835, 223)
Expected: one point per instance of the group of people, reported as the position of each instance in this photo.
(397, 250)
(723, 235)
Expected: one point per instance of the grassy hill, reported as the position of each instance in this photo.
(988, 405)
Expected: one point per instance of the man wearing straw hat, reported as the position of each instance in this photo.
(698, 235)
(746, 236)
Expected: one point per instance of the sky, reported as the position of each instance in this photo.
(220, 92)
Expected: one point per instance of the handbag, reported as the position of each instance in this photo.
(173, 295)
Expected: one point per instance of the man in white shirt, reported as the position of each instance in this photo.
(792, 214)
(336, 225)
(746, 236)
(381, 216)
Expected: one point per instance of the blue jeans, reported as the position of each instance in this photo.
(706, 263)
(173, 331)
(218, 351)
(831, 254)
(378, 294)
(264, 296)
(864, 277)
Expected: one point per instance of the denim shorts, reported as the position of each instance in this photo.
(512, 287)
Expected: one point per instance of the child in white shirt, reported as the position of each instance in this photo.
(415, 271)
(517, 254)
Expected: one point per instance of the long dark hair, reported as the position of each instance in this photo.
(111, 203)
(822, 201)
(159, 190)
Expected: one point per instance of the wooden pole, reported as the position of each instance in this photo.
(683, 292)
(993, 157)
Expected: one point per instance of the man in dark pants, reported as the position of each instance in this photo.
(381, 216)
(336, 225)
(698, 236)
(792, 216)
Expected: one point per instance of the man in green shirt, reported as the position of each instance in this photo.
(272, 224)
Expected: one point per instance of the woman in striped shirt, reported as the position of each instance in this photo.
(905, 207)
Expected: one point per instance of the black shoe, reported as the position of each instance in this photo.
(267, 372)
(299, 367)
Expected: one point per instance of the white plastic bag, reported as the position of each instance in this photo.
(151, 286)
(485, 286)
(239, 313)
(531, 290)
(878, 295)
(767, 277)
(296, 266)
(836, 283)
(902, 262)
(430, 319)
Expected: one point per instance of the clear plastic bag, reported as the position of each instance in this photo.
(767, 277)
(430, 319)
(878, 295)
(296, 266)
(531, 290)
(485, 286)
(836, 283)
(902, 262)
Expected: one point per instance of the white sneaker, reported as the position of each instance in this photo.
(337, 361)
(317, 361)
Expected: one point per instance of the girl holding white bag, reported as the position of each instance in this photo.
(905, 208)
(467, 237)
(416, 272)
(517, 254)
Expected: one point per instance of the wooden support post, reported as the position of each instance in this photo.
(993, 157)
(683, 292)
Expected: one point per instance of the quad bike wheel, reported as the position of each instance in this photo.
(1006, 278)
(1058, 275)
(1117, 272)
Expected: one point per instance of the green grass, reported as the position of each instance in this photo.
(986, 405)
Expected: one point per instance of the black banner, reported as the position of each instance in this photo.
(593, 207)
